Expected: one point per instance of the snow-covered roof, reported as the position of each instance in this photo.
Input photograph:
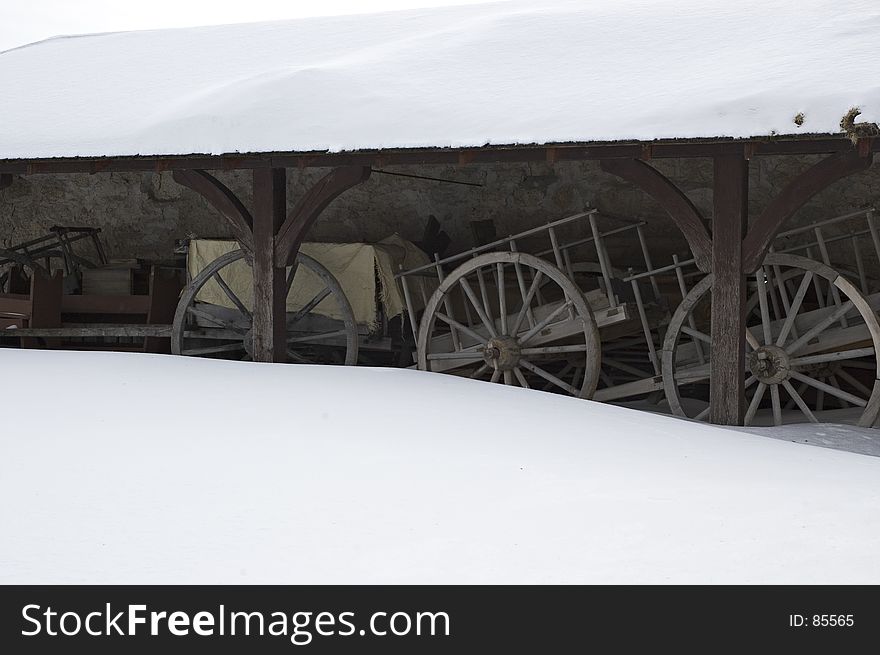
(257, 473)
(504, 73)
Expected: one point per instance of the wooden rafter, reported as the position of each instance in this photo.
(679, 207)
(223, 200)
(794, 196)
(310, 207)
(440, 156)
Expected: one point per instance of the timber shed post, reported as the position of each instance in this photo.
(270, 288)
(729, 225)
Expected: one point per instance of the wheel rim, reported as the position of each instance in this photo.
(229, 332)
(799, 354)
(490, 319)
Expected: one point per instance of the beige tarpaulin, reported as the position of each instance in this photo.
(364, 271)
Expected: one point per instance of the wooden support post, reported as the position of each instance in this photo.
(727, 392)
(270, 289)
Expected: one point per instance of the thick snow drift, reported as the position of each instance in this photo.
(504, 73)
(147, 469)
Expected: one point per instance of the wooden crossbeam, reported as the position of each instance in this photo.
(223, 200)
(310, 206)
(679, 207)
(794, 196)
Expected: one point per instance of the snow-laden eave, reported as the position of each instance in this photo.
(802, 144)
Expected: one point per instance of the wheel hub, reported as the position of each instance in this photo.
(502, 353)
(770, 364)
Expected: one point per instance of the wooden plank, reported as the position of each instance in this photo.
(98, 330)
(117, 304)
(727, 393)
(679, 207)
(270, 284)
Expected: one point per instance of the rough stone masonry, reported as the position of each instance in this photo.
(142, 214)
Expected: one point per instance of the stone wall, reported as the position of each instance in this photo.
(143, 214)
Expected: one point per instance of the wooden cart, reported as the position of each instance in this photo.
(586, 328)
(54, 295)
(545, 319)
(342, 304)
(812, 331)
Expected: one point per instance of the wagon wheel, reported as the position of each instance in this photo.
(806, 356)
(15, 260)
(502, 333)
(206, 330)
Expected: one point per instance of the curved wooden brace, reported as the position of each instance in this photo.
(794, 196)
(5, 180)
(686, 216)
(223, 200)
(310, 206)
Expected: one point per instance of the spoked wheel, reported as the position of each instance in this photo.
(212, 320)
(803, 354)
(513, 318)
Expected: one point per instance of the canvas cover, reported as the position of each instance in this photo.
(365, 271)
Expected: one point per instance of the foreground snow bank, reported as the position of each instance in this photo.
(146, 469)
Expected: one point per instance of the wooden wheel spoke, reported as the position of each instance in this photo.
(799, 401)
(479, 371)
(550, 350)
(836, 356)
(829, 389)
(794, 309)
(319, 336)
(817, 329)
(231, 295)
(214, 333)
(521, 378)
(198, 313)
(702, 415)
(527, 302)
(484, 295)
(291, 274)
(696, 334)
(525, 338)
(777, 407)
(753, 405)
(496, 375)
(537, 370)
(853, 382)
(309, 306)
(760, 278)
(458, 354)
(752, 340)
(502, 297)
(692, 373)
(460, 326)
(508, 378)
(472, 297)
(211, 350)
